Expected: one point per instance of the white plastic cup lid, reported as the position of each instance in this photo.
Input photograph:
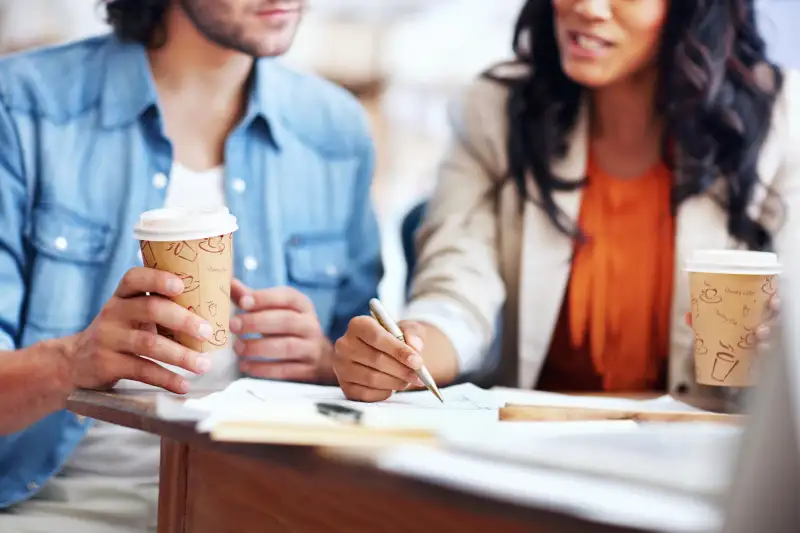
(734, 262)
(184, 224)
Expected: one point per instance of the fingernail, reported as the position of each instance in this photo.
(203, 363)
(236, 324)
(415, 361)
(415, 342)
(247, 302)
(183, 386)
(238, 346)
(762, 331)
(205, 331)
(175, 285)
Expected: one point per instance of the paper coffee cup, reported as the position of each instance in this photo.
(730, 295)
(197, 246)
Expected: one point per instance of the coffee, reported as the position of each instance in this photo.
(197, 246)
(731, 293)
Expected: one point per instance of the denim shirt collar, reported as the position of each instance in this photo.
(129, 91)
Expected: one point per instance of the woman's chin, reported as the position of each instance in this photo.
(591, 76)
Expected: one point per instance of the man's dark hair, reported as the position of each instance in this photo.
(140, 21)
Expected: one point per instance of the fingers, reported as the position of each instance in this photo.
(155, 346)
(281, 347)
(142, 280)
(360, 393)
(371, 333)
(688, 319)
(280, 370)
(275, 322)
(155, 310)
(367, 356)
(238, 291)
(150, 373)
(355, 373)
(273, 298)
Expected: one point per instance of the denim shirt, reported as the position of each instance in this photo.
(83, 153)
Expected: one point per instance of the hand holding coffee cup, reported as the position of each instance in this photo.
(122, 343)
(196, 246)
(733, 298)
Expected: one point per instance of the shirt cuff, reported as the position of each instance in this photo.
(6, 343)
(458, 325)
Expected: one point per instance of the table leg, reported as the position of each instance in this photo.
(172, 486)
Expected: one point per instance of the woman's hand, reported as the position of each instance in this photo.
(371, 364)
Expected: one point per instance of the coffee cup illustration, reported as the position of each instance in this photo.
(220, 336)
(769, 286)
(213, 245)
(710, 295)
(700, 347)
(725, 362)
(183, 250)
(748, 341)
(189, 282)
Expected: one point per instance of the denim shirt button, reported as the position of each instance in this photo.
(331, 271)
(239, 185)
(61, 243)
(32, 485)
(159, 181)
(250, 263)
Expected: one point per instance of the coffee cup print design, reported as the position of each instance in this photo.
(725, 362)
(748, 341)
(700, 347)
(205, 267)
(213, 245)
(710, 295)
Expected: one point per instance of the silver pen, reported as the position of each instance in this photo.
(380, 315)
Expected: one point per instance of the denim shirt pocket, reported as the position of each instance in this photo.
(317, 265)
(68, 269)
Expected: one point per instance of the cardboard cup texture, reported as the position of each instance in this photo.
(206, 268)
(726, 310)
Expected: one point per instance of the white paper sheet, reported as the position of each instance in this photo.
(248, 400)
(691, 457)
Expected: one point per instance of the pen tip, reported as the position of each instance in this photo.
(436, 393)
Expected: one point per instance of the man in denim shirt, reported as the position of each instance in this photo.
(171, 110)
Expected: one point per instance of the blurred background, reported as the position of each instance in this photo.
(403, 58)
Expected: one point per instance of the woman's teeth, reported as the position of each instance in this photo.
(590, 43)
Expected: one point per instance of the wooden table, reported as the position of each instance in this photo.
(213, 487)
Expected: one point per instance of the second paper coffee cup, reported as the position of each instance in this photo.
(731, 291)
(197, 246)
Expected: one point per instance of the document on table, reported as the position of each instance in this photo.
(252, 400)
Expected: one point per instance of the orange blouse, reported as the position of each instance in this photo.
(613, 331)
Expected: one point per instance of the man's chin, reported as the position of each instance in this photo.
(269, 48)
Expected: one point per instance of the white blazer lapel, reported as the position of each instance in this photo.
(546, 255)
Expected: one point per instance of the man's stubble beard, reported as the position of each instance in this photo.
(216, 23)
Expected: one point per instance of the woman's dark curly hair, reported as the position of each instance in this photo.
(140, 21)
(716, 93)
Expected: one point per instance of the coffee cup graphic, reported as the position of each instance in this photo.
(725, 361)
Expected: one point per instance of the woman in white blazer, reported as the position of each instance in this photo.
(625, 135)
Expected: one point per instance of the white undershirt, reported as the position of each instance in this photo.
(110, 484)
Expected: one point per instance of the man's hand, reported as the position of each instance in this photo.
(292, 345)
(122, 343)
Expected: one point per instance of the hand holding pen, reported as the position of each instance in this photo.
(371, 363)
